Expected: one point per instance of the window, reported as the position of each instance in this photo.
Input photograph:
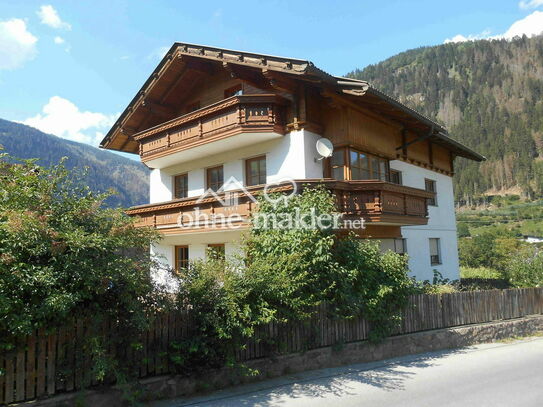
(216, 251)
(400, 246)
(337, 164)
(255, 171)
(396, 177)
(233, 91)
(430, 186)
(350, 164)
(193, 106)
(181, 257)
(435, 252)
(360, 165)
(181, 186)
(215, 178)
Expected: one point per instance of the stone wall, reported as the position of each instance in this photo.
(356, 352)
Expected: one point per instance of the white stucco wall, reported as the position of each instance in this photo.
(289, 157)
(441, 224)
(160, 185)
(293, 156)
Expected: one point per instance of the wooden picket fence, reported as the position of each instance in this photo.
(60, 361)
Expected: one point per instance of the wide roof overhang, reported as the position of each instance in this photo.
(185, 65)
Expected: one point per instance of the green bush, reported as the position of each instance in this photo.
(479, 272)
(526, 268)
(281, 276)
(490, 248)
(62, 256)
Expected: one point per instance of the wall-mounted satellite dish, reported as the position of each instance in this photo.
(325, 148)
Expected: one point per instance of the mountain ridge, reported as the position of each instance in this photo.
(105, 169)
(489, 94)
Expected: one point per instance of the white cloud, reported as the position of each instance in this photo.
(64, 119)
(530, 25)
(530, 4)
(59, 40)
(49, 16)
(17, 44)
(471, 37)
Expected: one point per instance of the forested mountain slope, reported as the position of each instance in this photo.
(489, 95)
(105, 169)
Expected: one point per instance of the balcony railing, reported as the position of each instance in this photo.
(377, 202)
(237, 114)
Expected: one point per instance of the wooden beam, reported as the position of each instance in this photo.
(404, 141)
(278, 81)
(196, 64)
(128, 131)
(250, 75)
(173, 85)
(339, 100)
(421, 138)
(157, 108)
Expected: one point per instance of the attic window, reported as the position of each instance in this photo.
(233, 91)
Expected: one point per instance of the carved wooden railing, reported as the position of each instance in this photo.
(374, 201)
(237, 114)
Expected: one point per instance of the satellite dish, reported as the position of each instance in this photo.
(325, 148)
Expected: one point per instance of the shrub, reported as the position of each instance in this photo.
(62, 255)
(490, 248)
(526, 268)
(281, 276)
(479, 272)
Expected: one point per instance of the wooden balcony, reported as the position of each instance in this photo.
(227, 118)
(377, 202)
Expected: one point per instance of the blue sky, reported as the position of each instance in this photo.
(70, 67)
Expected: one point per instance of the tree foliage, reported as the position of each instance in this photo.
(525, 268)
(282, 275)
(491, 248)
(63, 255)
(104, 170)
(489, 95)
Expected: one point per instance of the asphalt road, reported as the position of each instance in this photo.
(498, 374)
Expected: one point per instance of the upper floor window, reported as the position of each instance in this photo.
(255, 171)
(181, 257)
(435, 251)
(396, 177)
(430, 186)
(337, 164)
(233, 91)
(193, 106)
(181, 186)
(350, 164)
(215, 178)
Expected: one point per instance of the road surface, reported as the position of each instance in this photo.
(497, 374)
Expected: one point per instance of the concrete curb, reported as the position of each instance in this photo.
(357, 352)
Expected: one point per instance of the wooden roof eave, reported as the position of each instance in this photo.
(401, 114)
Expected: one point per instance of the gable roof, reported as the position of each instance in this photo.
(120, 138)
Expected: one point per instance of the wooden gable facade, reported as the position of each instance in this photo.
(196, 82)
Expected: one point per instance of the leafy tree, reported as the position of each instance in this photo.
(284, 272)
(64, 256)
(491, 248)
(526, 268)
(462, 229)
